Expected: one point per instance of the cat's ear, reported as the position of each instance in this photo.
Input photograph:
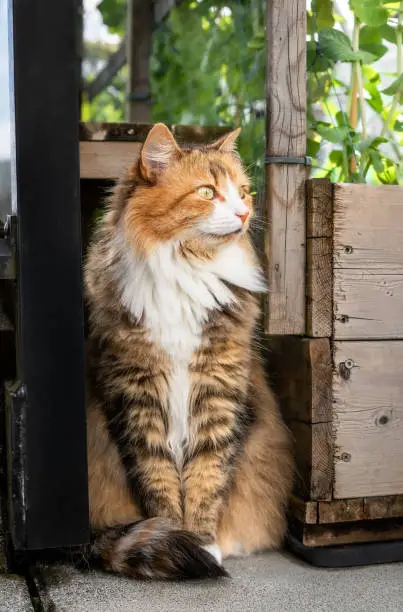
(227, 143)
(158, 152)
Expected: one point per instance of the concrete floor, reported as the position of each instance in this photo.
(272, 582)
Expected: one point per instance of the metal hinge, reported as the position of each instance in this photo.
(8, 250)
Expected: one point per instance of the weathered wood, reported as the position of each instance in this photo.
(368, 261)
(313, 447)
(106, 160)
(137, 132)
(140, 21)
(368, 418)
(319, 278)
(341, 511)
(319, 213)
(348, 533)
(345, 510)
(300, 370)
(107, 149)
(304, 511)
(286, 136)
(383, 507)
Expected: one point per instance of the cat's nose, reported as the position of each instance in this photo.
(243, 216)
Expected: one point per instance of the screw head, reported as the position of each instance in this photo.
(346, 457)
(349, 364)
(348, 250)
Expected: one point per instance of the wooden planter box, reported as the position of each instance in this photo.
(341, 385)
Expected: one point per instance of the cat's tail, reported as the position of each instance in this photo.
(154, 549)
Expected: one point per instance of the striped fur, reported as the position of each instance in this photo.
(186, 445)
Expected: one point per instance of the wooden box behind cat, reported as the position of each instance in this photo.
(341, 385)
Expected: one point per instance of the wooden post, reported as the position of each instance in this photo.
(286, 137)
(139, 42)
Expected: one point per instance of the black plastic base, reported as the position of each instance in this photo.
(347, 555)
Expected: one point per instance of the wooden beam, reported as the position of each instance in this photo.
(286, 136)
(319, 279)
(301, 374)
(107, 149)
(140, 21)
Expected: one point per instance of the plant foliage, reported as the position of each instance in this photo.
(208, 67)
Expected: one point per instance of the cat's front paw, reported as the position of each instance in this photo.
(215, 551)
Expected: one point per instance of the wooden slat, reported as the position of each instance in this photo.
(107, 149)
(368, 418)
(346, 510)
(383, 507)
(286, 136)
(341, 511)
(106, 160)
(368, 261)
(338, 534)
(319, 279)
(137, 132)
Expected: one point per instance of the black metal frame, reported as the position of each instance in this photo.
(46, 437)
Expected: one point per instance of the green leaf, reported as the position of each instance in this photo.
(336, 46)
(395, 87)
(312, 147)
(330, 133)
(388, 32)
(372, 52)
(323, 13)
(398, 126)
(316, 61)
(370, 12)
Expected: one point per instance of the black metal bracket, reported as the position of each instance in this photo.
(283, 159)
(8, 250)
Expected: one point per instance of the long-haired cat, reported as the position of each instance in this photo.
(189, 460)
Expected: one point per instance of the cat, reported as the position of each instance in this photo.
(189, 461)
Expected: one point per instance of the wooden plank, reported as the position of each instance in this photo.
(367, 305)
(319, 213)
(319, 278)
(286, 136)
(304, 511)
(368, 261)
(341, 511)
(137, 132)
(368, 418)
(106, 160)
(383, 507)
(338, 534)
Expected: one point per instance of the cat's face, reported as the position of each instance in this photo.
(187, 195)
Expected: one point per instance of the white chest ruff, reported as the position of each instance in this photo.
(175, 296)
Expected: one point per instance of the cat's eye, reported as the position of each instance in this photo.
(242, 192)
(205, 192)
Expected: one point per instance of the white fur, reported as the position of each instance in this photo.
(225, 218)
(215, 551)
(175, 296)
